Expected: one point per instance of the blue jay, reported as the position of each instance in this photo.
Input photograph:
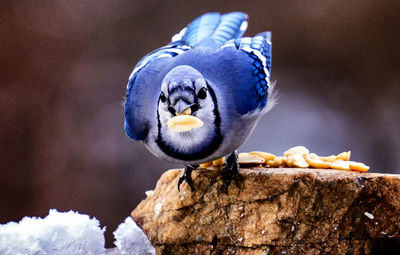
(208, 72)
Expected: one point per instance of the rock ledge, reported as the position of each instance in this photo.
(274, 211)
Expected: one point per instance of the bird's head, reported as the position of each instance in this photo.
(189, 123)
(184, 99)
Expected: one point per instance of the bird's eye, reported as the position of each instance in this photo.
(202, 93)
(162, 97)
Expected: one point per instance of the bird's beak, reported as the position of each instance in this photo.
(182, 108)
(184, 120)
(187, 111)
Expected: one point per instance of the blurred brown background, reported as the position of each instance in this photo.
(65, 65)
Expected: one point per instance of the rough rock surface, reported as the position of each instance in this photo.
(274, 211)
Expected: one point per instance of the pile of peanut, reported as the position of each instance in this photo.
(299, 157)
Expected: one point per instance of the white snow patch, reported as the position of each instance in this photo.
(66, 233)
(369, 215)
(130, 239)
(58, 233)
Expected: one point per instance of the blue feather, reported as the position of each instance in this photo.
(213, 29)
(231, 26)
(201, 28)
(258, 51)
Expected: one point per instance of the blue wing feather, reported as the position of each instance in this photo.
(258, 51)
(132, 129)
(142, 93)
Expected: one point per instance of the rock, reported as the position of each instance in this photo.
(274, 211)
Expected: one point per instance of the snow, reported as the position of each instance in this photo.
(130, 239)
(65, 233)
(58, 234)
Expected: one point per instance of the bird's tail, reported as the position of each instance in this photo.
(212, 29)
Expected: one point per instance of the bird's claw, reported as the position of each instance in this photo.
(187, 176)
(231, 170)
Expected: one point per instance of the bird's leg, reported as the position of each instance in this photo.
(187, 176)
(232, 168)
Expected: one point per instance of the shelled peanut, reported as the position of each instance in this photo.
(296, 157)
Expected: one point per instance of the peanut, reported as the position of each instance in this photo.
(266, 156)
(218, 162)
(314, 161)
(296, 150)
(356, 166)
(183, 123)
(340, 165)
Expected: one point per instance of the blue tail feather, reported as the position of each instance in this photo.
(215, 27)
(200, 27)
(230, 27)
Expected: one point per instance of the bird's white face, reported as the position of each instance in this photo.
(184, 92)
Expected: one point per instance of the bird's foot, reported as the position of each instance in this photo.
(187, 176)
(231, 170)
